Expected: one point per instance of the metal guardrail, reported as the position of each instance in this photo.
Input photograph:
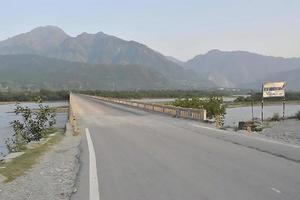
(187, 113)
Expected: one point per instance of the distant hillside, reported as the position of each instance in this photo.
(97, 48)
(175, 60)
(39, 41)
(291, 77)
(101, 61)
(238, 68)
(125, 61)
(34, 72)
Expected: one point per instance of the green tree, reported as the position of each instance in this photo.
(213, 105)
(32, 126)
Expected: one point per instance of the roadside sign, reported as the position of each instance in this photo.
(274, 89)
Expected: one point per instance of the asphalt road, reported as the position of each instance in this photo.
(141, 155)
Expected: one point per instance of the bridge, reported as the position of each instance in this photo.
(135, 154)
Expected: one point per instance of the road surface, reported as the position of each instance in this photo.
(130, 154)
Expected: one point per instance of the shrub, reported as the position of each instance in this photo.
(213, 105)
(32, 126)
(298, 115)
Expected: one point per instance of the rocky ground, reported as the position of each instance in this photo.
(53, 178)
(285, 131)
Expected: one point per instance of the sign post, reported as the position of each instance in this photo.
(252, 104)
(262, 104)
(283, 108)
(273, 89)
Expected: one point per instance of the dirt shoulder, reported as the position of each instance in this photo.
(52, 178)
(284, 131)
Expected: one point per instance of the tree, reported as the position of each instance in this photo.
(213, 105)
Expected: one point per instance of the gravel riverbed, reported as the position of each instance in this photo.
(53, 178)
(284, 131)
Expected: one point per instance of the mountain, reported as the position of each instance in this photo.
(121, 64)
(96, 48)
(175, 60)
(240, 68)
(33, 72)
(39, 41)
(291, 77)
(102, 50)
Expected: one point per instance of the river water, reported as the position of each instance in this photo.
(234, 115)
(6, 116)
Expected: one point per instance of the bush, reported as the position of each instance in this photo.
(32, 127)
(213, 105)
(298, 115)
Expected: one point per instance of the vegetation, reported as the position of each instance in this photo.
(33, 126)
(298, 115)
(257, 97)
(213, 105)
(138, 94)
(18, 166)
(56, 74)
(46, 95)
(49, 95)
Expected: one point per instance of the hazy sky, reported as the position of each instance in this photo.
(180, 28)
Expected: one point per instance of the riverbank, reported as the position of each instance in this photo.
(256, 103)
(52, 178)
(16, 164)
(283, 131)
(9, 102)
(7, 115)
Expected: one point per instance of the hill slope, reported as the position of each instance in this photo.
(97, 48)
(101, 50)
(35, 72)
(129, 61)
(233, 69)
(291, 77)
(41, 40)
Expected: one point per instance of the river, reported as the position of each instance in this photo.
(234, 115)
(6, 116)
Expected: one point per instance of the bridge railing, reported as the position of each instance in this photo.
(188, 113)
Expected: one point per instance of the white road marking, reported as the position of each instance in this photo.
(248, 136)
(209, 128)
(94, 188)
(276, 190)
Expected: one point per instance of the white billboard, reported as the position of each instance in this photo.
(274, 89)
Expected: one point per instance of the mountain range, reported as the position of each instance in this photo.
(240, 69)
(47, 57)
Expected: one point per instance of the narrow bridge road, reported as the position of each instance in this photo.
(130, 154)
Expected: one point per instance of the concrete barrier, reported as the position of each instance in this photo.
(72, 115)
(188, 113)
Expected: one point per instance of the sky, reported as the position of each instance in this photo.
(182, 29)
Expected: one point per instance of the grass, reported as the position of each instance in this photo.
(5, 103)
(18, 166)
